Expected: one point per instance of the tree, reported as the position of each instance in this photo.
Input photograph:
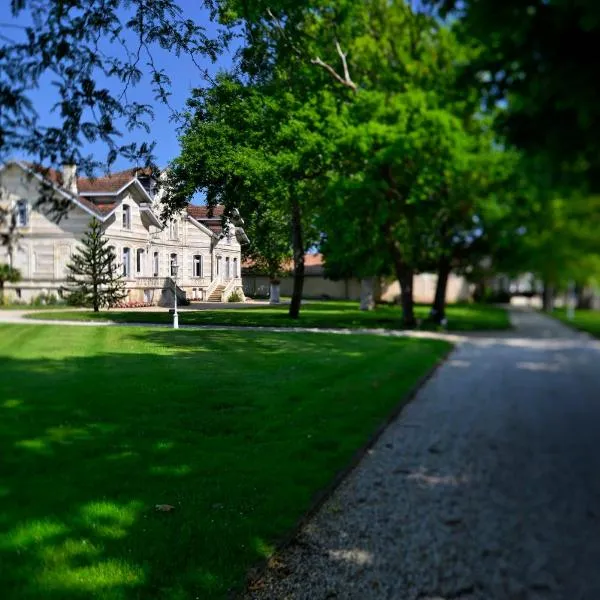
(380, 72)
(536, 55)
(77, 45)
(8, 274)
(92, 275)
(258, 149)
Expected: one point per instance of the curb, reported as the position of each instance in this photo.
(322, 496)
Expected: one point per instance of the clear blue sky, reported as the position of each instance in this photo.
(182, 71)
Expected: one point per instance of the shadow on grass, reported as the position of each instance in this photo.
(236, 432)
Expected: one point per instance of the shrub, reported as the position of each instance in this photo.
(45, 299)
(77, 298)
(235, 296)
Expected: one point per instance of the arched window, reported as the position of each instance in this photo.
(139, 261)
(126, 262)
(126, 216)
(155, 265)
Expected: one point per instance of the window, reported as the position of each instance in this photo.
(139, 261)
(126, 265)
(22, 210)
(173, 263)
(173, 230)
(197, 270)
(235, 268)
(155, 264)
(126, 216)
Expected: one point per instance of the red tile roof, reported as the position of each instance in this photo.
(209, 217)
(313, 262)
(205, 212)
(109, 183)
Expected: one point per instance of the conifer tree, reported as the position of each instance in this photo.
(93, 278)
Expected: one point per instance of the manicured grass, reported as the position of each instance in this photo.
(339, 314)
(585, 320)
(236, 430)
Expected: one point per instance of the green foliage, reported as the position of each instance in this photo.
(235, 296)
(552, 94)
(92, 274)
(82, 45)
(45, 299)
(8, 274)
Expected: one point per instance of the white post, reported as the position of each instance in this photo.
(175, 314)
(274, 295)
(366, 294)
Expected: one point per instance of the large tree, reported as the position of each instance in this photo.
(257, 149)
(92, 274)
(538, 56)
(380, 73)
(92, 52)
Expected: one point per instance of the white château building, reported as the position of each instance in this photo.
(205, 245)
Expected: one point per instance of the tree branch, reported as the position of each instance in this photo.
(345, 80)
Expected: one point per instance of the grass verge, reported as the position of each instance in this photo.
(330, 314)
(585, 320)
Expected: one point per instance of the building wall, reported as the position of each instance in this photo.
(317, 286)
(45, 247)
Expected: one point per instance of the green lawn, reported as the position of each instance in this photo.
(313, 314)
(236, 430)
(585, 320)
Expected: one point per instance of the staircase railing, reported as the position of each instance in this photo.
(231, 284)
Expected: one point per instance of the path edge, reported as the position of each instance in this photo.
(322, 496)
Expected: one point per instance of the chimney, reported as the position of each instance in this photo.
(69, 174)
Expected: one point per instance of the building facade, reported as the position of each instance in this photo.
(204, 244)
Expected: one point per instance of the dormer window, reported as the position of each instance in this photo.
(126, 216)
(22, 213)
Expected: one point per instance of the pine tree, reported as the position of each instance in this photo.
(92, 274)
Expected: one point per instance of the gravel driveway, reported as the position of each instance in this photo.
(486, 487)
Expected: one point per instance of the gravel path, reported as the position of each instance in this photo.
(486, 487)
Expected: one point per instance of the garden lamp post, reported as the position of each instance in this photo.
(174, 268)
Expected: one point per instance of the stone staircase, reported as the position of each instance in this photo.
(217, 294)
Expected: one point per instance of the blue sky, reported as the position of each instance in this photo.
(184, 77)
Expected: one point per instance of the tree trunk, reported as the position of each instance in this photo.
(404, 274)
(95, 302)
(274, 293)
(548, 297)
(367, 301)
(405, 277)
(438, 309)
(298, 248)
